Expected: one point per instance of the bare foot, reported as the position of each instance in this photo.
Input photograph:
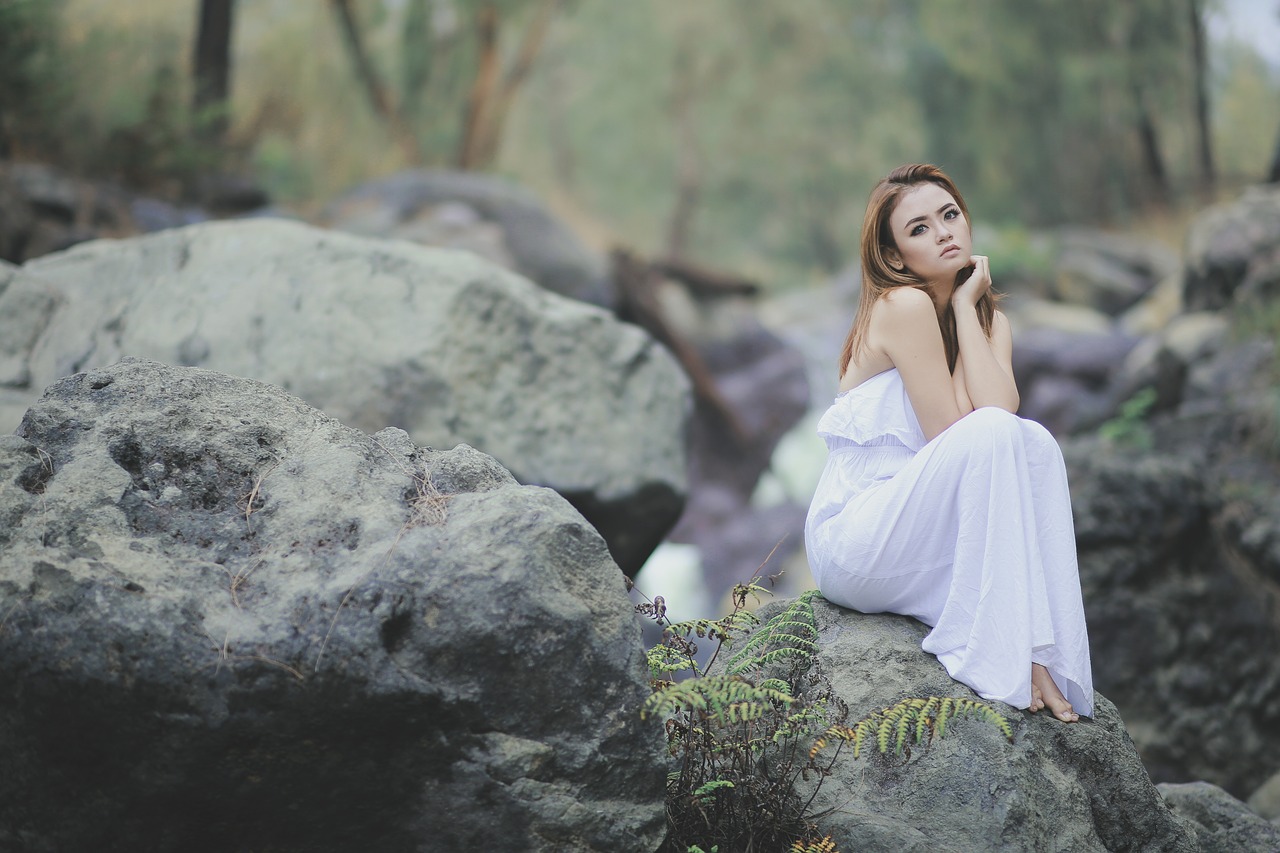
(1050, 696)
(1037, 699)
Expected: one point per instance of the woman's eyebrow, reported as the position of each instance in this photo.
(921, 217)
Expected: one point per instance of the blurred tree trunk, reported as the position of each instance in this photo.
(416, 52)
(695, 74)
(213, 68)
(493, 92)
(563, 159)
(688, 156)
(1273, 177)
(379, 99)
(1152, 160)
(1200, 74)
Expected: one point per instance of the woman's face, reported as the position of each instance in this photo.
(931, 234)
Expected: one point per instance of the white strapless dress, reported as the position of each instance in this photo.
(970, 533)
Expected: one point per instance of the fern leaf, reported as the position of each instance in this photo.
(928, 709)
(722, 698)
(663, 659)
(945, 713)
(903, 727)
(893, 725)
(791, 634)
(821, 845)
(706, 792)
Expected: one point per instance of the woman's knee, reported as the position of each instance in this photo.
(1001, 427)
(989, 421)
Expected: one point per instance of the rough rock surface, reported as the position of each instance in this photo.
(1181, 612)
(481, 213)
(1222, 823)
(228, 622)
(381, 333)
(1075, 787)
(1223, 242)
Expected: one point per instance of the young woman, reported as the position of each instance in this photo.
(937, 501)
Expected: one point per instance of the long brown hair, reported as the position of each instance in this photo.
(877, 274)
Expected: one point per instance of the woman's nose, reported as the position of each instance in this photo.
(943, 232)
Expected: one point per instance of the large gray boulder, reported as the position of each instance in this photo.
(1079, 787)
(493, 217)
(1108, 272)
(1222, 243)
(1174, 566)
(1221, 822)
(379, 333)
(228, 622)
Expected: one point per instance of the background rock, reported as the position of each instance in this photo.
(1265, 802)
(230, 622)
(377, 333)
(45, 210)
(1221, 821)
(1074, 787)
(1223, 241)
(1180, 620)
(1108, 272)
(482, 213)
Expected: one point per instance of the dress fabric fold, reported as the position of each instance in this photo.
(971, 533)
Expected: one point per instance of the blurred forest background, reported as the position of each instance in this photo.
(738, 133)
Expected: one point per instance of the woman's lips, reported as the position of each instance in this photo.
(950, 250)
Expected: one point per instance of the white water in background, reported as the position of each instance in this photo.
(814, 321)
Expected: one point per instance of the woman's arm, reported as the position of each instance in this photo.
(987, 362)
(962, 389)
(904, 326)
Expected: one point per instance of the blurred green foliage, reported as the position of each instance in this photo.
(745, 133)
(32, 87)
(1129, 429)
(101, 102)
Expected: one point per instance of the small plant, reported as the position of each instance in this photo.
(897, 724)
(1129, 428)
(740, 737)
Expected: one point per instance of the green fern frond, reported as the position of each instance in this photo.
(706, 793)
(663, 659)
(775, 684)
(722, 698)
(793, 633)
(699, 627)
(724, 629)
(752, 589)
(894, 725)
(801, 722)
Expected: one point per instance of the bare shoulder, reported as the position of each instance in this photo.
(904, 307)
(906, 298)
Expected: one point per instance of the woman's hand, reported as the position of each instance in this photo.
(971, 283)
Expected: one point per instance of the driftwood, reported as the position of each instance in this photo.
(706, 284)
(638, 303)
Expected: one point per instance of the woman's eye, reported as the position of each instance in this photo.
(919, 229)
(951, 214)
